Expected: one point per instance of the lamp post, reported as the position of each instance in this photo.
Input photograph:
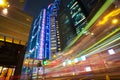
(38, 67)
(28, 61)
(5, 11)
(4, 5)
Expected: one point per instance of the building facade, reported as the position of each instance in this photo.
(54, 31)
(43, 42)
(36, 47)
(73, 16)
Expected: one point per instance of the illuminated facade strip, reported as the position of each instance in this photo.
(42, 36)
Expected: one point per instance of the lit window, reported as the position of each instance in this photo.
(57, 31)
(53, 44)
(16, 41)
(8, 39)
(58, 42)
(59, 48)
(1, 38)
(52, 48)
(52, 38)
(58, 39)
(53, 41)
(111, 51)
(57, 34)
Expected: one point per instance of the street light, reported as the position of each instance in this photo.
(38, 66)
(27, 60)
(3, 3)
(5, 11)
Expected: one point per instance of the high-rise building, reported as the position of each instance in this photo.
(54, 32)
(43, 41)
(76, 14)
(66, 26)
(36, 46)
(73, 16)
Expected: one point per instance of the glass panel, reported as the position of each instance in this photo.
(1, 38)
(16, 41)
(8, 39)
(23, 43)
(3, 73)
(9, 73)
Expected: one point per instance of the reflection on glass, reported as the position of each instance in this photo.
(3, 73)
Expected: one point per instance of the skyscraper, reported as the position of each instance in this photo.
(43, 40)
(73, 16)
(54, 32)
(36, 45)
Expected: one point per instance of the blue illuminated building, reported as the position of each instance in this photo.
(43, 34)
(36, 45)
(43, 42)
(54, 31)
(35, 48)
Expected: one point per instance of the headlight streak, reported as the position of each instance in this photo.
(103, 39)
(104, 44)
(93, 50)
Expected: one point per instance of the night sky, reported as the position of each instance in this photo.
(33, 7)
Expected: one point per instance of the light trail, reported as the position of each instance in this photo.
(98, 14)
(103, 39)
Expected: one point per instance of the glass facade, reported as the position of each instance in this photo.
(67, 31)
(36, 46)
(54, 31)
(37, 37)
(7, 73)
(73, 16)
(42, 43)
(77, 15)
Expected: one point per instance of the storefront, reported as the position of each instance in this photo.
(6, 73)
